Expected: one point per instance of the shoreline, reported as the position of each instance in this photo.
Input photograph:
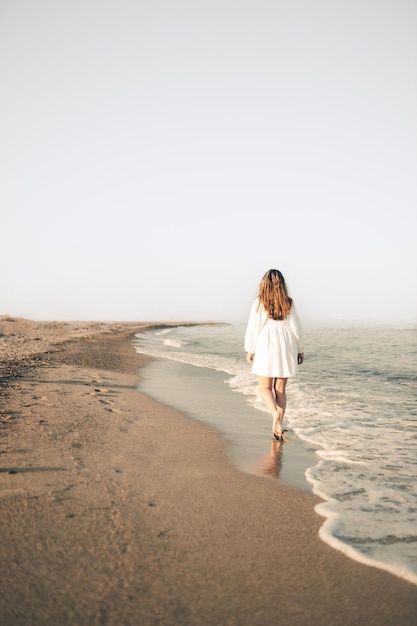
(202, 394)
(130, 512)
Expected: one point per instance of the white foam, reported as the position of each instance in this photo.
(328, 528)
(161, 332)
(172, 343)
(338, 455)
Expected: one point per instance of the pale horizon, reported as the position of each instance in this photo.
(158, 159)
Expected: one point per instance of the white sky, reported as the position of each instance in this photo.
(157, 157)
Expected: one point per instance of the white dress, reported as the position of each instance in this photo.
(274, 343)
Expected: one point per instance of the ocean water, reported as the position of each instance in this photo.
(354, 401)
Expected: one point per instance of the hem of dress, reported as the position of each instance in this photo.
(291, 375)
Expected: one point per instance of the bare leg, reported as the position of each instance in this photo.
(265, 387)
(281, 400)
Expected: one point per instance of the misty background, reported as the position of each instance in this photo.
(158, 157)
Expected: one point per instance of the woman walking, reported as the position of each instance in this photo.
(274, 344)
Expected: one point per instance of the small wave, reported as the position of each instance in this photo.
(327, 533)
(199, 360)
(173, 343)
(339, 456)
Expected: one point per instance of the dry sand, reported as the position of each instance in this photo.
(118, 510)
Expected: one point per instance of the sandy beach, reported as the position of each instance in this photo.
(119, 510)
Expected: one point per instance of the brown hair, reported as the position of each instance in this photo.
(274, 295)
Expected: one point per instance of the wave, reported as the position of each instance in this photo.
(172, 343)
(161, 332)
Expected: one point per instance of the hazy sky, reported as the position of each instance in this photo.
(157, 157)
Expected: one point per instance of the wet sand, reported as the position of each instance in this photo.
(119, 510)
(203, 394)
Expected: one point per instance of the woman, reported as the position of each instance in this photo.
(274, 344)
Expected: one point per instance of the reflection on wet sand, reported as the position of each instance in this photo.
(271, 463)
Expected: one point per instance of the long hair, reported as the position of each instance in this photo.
(274, 295)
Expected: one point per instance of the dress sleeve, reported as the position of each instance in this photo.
(296, 328)
(252, 328)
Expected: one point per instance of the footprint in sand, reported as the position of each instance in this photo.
(105, 396)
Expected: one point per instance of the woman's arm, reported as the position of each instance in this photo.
(296, 328)
(252, 328)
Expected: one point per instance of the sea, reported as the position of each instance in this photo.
(352, 403)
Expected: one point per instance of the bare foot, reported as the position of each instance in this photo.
(277, 423)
